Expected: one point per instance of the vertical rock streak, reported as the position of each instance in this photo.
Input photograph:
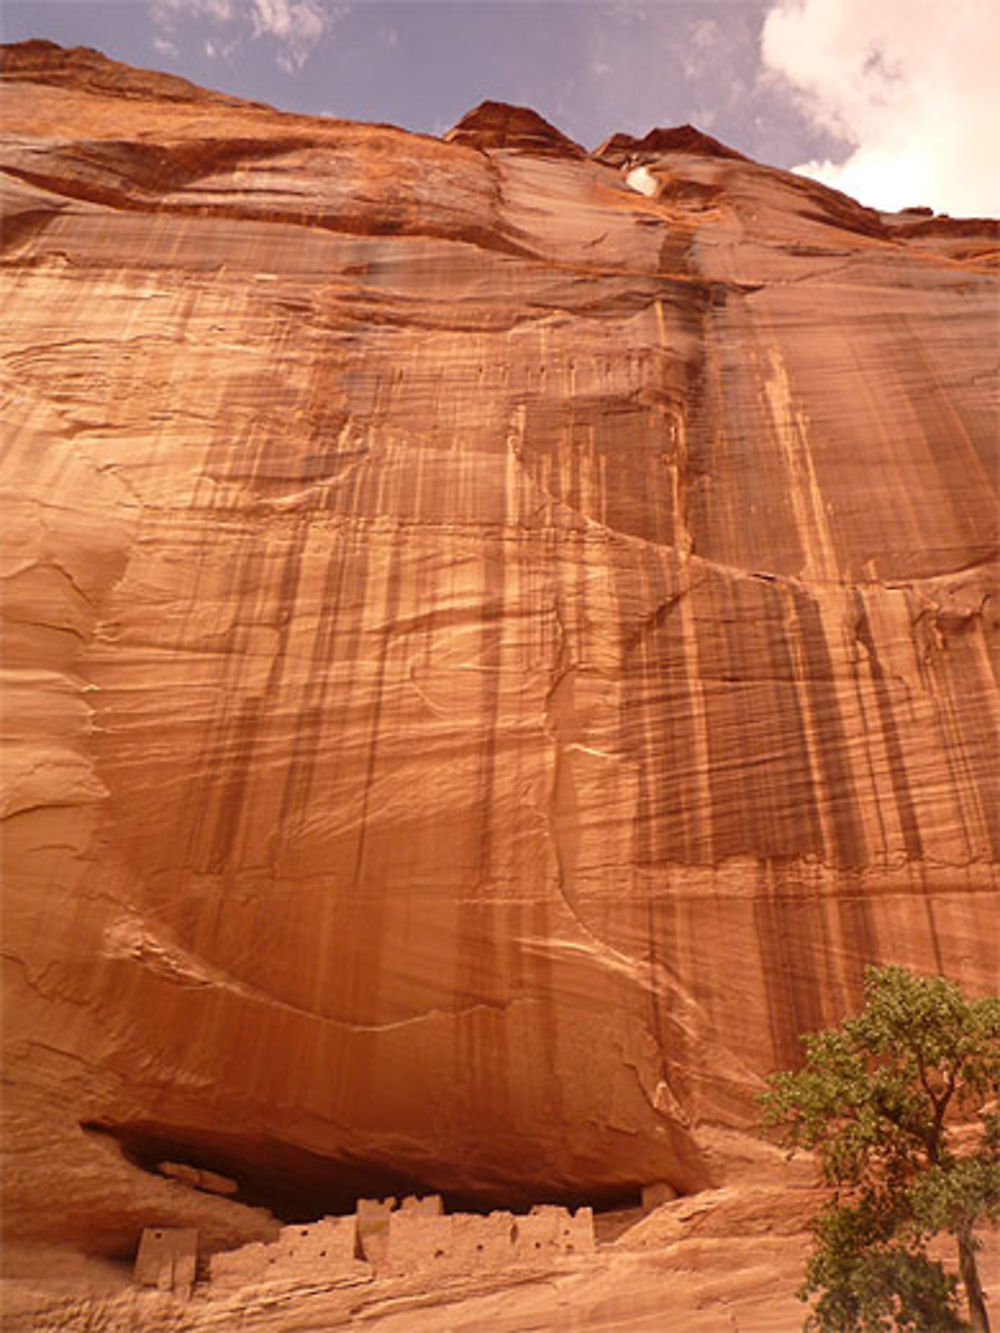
(493, 653)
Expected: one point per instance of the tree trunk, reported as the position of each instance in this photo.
(978, 1318)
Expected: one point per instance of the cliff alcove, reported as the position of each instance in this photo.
(298, 1186)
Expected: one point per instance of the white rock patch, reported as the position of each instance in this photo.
(640, 180)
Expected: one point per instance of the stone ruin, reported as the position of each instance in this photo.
(167, 1259)
(468, 1243)
(316, 1249)
(381, 1236)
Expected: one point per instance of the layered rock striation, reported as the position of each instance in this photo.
(490, 654)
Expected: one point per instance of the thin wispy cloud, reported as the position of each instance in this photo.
(167, 13)
(909, 85)
(293, 27)
(703, 40)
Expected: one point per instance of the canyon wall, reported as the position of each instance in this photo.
(491, 652)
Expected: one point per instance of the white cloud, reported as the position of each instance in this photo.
(702, 48)
(166, 13)
(297, 25)
(172, 17)
(910, 84)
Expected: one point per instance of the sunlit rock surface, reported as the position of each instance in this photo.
(490, 654)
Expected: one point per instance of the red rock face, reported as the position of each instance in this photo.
(497, 125)
(679, 139)
(491, 655)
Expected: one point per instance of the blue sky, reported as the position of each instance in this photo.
(830, 85)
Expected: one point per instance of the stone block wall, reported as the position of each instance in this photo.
(372, 1228)
(167, 1259)
(324, 1249)
(469, 1243)
(548, 1230)
(416, 1236)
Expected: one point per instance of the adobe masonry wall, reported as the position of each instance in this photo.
(167, 1259)
(373, 1222)
(417, 1236)
(323, 1249)
(467, 1243)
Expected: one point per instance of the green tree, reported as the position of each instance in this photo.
(899, 1103)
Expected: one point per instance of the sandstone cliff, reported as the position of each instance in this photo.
(490, 653)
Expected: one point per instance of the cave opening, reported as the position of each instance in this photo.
(299, 1186)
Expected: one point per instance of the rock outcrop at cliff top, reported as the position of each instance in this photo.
(679, 139)
(490, 655)
(496, 125)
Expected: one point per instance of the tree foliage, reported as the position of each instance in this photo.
(900, 1105)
